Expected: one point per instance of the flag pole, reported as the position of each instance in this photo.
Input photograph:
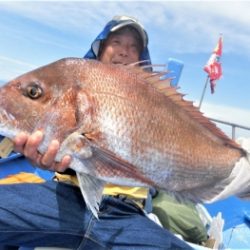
(203, 93)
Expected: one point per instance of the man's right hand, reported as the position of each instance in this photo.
(28, 145)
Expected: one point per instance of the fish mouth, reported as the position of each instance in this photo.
(5, 116)
(119, 63)
(6, 119)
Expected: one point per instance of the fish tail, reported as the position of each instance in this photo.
(236, 184)
(239, 180)
(245, 193)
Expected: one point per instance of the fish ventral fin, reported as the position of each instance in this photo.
(162, 84)
(91, 189)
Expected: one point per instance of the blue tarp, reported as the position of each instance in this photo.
(236, 214)
(234, 211)
(20, 164)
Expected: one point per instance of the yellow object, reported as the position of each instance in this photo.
(71, 179)
(6, 147)
(22, 177)
(131, 192)
(110, 189)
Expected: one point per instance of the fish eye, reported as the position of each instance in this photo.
(34, 91)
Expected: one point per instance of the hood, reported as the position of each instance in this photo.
(116, 23)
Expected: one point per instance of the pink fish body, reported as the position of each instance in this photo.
(121, 125)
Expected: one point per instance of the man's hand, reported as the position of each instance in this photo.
(27, 145)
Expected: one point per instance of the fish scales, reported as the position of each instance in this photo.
(143, 115)
(120, 125)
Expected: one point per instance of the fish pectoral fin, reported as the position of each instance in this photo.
(108, 162)
(76, 145)
(91, 189)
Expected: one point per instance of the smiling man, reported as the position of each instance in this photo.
(122, 47)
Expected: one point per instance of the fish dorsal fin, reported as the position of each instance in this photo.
(154, 78)
(163, 85)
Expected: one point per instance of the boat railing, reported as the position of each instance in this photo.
(234, 126)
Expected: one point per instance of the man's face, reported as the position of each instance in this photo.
(121, 49)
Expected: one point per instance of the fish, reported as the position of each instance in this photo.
(125, 126)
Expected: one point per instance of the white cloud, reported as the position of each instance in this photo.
(202, 20)
(16, 62)
(11, 67)
(194, 26)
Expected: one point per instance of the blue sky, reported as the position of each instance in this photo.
(35, 33)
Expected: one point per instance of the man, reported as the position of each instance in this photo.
(54, 213)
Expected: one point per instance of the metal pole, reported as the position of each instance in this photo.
(203, 93)
(233, 132)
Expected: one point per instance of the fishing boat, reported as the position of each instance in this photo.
(232, 215)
